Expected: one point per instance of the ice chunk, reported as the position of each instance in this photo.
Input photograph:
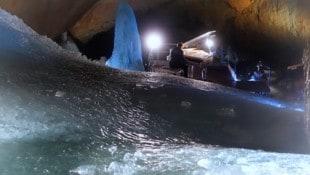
(186, 104)
(60, 93)
(226, 112)
(112, 149)
(83, 170)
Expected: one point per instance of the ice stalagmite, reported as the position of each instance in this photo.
(127, 52)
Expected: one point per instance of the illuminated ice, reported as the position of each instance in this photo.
(127, 52)
(84, 170)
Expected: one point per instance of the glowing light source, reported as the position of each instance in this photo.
(209, 43)
(154, 41)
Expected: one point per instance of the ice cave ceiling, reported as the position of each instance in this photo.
(271, 29)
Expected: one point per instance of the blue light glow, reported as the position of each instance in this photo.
(233, 73)
(127, 52)
(275, 103)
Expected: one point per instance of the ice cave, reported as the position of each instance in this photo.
(62, 112)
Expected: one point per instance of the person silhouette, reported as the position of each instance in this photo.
(177, 60)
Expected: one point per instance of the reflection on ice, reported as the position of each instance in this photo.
(196, 160)
(88, 159)
(275, 103)
(84, 170)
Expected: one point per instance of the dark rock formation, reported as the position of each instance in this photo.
(306, 63)
(101, 17)
(51, 17)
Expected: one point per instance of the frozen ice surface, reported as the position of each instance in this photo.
(62, 114)
(127, 52)
(84, 159)
(84, 170)
(201, 160)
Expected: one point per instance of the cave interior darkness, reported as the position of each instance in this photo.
(278, 55)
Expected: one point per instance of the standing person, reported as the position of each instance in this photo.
(177, 59)
(259, 73)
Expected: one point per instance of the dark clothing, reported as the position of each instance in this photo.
(177, 60)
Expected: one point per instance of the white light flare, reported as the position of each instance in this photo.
(210, 43)
(154, 41)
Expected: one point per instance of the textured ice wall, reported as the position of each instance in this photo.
(127, 52)
(17, 36)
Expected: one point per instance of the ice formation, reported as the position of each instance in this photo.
(127, 52)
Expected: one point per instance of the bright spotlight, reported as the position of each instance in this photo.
(154, 41)
(209, 43)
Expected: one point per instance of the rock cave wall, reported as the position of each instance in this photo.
(273, 30)
(48, 17)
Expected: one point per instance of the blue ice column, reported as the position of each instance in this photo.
(127, 52)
